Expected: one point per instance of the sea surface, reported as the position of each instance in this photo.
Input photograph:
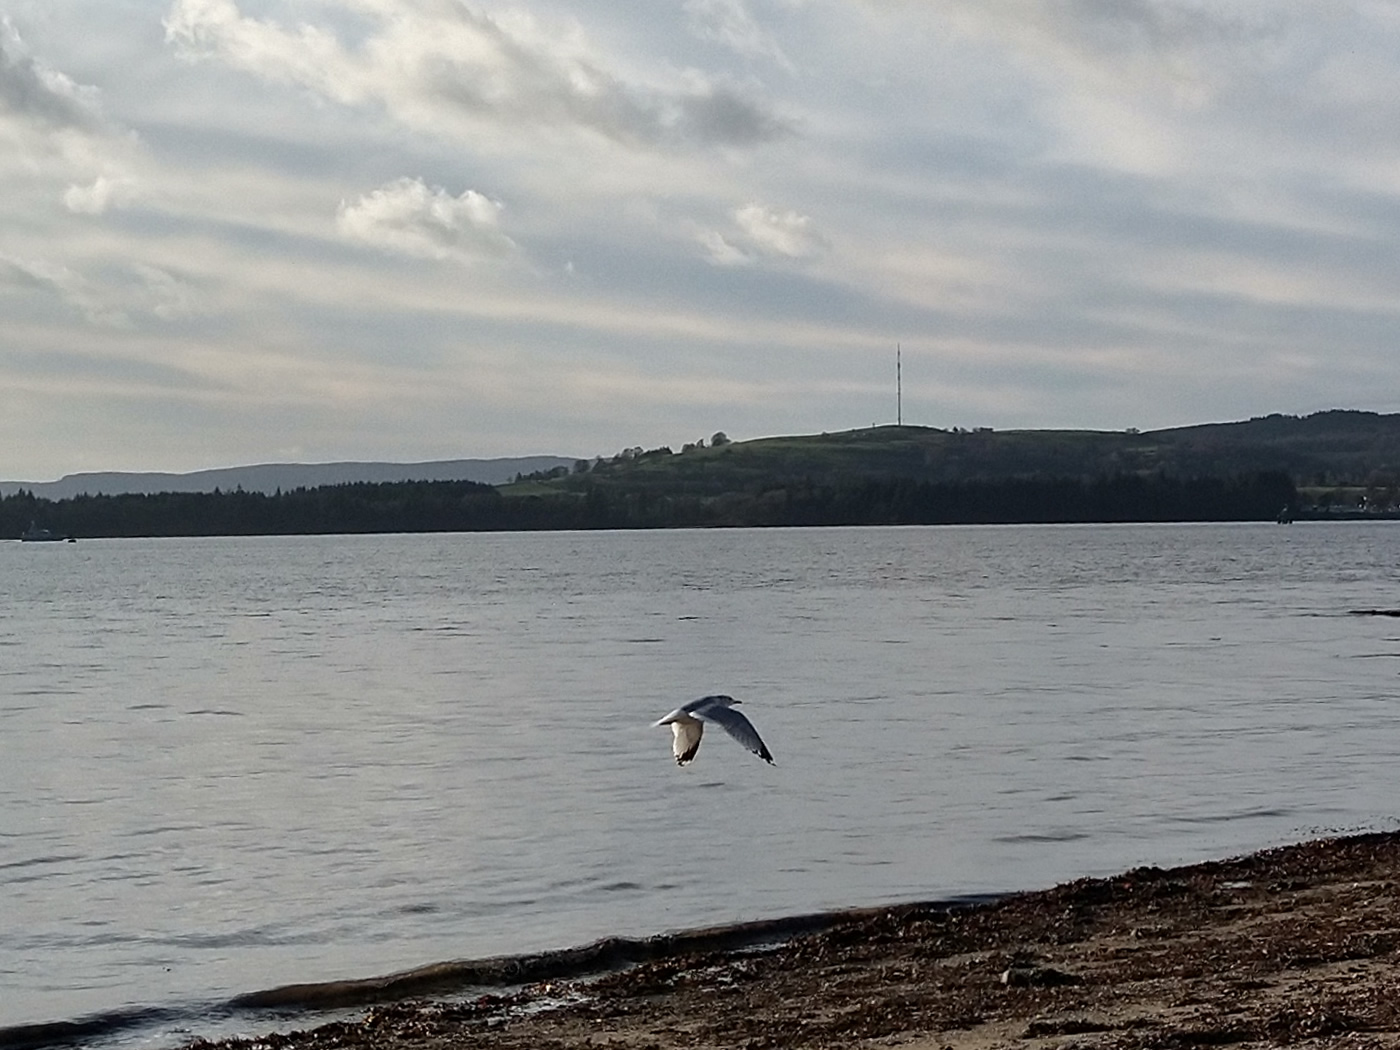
(229, 764)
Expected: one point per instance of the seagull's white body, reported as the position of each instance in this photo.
(688, 724)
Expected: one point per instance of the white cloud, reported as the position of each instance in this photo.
(59, 129)
(118, 295)
(787, 233)
(1170, 47)
(30, 90)
(62, 284)
(1130, 85)
(450, 69)
(1191, 89)
(730, 23)
(16, 274)
(307, 56)
(409, 218)
(163, 294)
(760, 232)
(720, 251)
(104, 192)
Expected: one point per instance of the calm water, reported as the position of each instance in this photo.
(231, 764)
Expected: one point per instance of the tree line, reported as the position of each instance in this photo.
(464, 506)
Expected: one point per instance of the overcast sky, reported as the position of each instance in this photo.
(238, 231)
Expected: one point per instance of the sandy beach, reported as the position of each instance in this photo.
(1294, 946)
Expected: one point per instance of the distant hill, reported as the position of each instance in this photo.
(1339, 461)
(1325, 464)
(270, 477)
(1338, 447)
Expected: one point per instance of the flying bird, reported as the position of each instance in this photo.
(688, 725)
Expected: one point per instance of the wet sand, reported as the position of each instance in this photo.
(1295, 946)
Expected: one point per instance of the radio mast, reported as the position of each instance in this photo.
(898, 387)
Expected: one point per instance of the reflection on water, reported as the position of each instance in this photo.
(228, 764)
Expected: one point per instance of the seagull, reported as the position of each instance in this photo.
(688, 724)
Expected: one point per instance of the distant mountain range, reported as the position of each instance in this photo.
(1326, 449)
(1259, 469)
(270, 477)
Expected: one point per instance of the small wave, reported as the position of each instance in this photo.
(84, 1029)
(162, 829)
(1225, 818)
(1042, 836)
(56, 858)
(264, 936)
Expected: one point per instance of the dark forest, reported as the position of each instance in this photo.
(463, 506)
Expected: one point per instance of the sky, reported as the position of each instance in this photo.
(244, 231)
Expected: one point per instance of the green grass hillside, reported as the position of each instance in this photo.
(1336, 448)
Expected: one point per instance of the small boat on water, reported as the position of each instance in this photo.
(35, 534)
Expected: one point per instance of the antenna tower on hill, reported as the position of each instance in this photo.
(898, 388)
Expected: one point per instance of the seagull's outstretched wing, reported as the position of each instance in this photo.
(735, 724)
(687, 740)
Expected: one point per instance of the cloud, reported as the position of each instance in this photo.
(31, 91)
(779, 233)
(162, 294)
(450, 69)
(18, 274)
(307, 56)
(761, 232)
(60, 129)
(1152, 43)
(1132, 85)
(118, 295)
(729, 22)
(104, 192)
(409, 218)
(63, 284)
(720, 251)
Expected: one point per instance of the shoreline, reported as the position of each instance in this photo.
(1296, 944)
(458, 977)
(605, 955)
